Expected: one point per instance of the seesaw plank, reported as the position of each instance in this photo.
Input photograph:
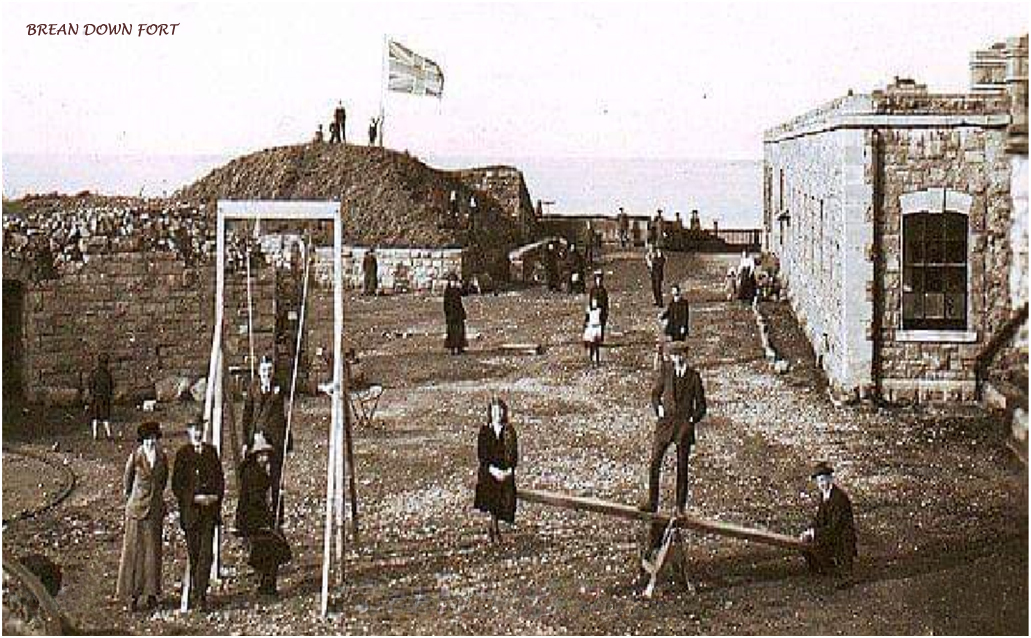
(689, 521)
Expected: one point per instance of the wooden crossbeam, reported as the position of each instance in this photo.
(687, 521)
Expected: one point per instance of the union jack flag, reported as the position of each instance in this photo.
(412, 73)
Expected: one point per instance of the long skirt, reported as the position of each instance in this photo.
(455, 334)
(139, 571)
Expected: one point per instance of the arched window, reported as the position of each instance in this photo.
(934, 265)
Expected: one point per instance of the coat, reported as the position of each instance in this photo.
(254, 519)
(254, 511)
(683, 402)
(195, 474)
(602, 295)
(657, 267)
(454, 317)
(834, 532)
(498, 498)
(145, 485)
(139, 568)
(101, 390)
(265, 412)
(677, 317)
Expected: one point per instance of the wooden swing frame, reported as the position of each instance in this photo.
(340, 443)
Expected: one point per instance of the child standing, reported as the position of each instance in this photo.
(101, 391)
(593, 331)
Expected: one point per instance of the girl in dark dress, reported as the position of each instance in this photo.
(498, 451)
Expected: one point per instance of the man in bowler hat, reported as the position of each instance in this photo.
(678, 399)
(832, 534)
(199, 485)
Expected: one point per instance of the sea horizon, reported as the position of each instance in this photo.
(728, 191)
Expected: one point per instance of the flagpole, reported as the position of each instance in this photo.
(383, 86)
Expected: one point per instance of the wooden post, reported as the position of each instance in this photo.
(328, 531)
(349, 450)
(338, 386)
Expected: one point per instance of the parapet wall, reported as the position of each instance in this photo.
(149, 313)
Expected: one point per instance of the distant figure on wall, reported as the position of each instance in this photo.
(340, 117)
(334, 133)
(373, 130)
(624, 227)
(696, 222)
(370, 272)
(319, 137)
(101, 392)
(454, 316)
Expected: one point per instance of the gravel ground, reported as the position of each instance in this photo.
(941, 505)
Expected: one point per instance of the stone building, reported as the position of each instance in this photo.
(891, 215)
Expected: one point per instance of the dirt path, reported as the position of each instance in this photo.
(942, 510)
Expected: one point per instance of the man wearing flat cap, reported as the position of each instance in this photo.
(199, 486)
(832, 534)
(678, 399)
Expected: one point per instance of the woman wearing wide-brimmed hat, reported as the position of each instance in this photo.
(255, 521)
(146, 474)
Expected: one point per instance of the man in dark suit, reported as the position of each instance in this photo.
(678, 399)
(677, 316)
(264, 411)
(199, 486)
(599, 292)
(657, 269)
(833, 531)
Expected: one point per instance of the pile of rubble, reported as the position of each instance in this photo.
(391, 199)
(59, 233)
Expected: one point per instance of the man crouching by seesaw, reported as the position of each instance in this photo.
(832, 534)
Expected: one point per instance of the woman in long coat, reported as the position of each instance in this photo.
(255, 520)
(454, 316)
(146, 474)
(498, 451)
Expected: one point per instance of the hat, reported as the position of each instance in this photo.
(195, 424)
(261, 446)
(598, 273)
(148, 430)
(677, 347)
(822, 469)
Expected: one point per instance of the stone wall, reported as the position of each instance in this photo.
(820, 198)
(147, 311)
(505, 184)
(398, 269)
(970, 165)
(836, 181)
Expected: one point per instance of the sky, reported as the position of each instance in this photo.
(597, 80)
